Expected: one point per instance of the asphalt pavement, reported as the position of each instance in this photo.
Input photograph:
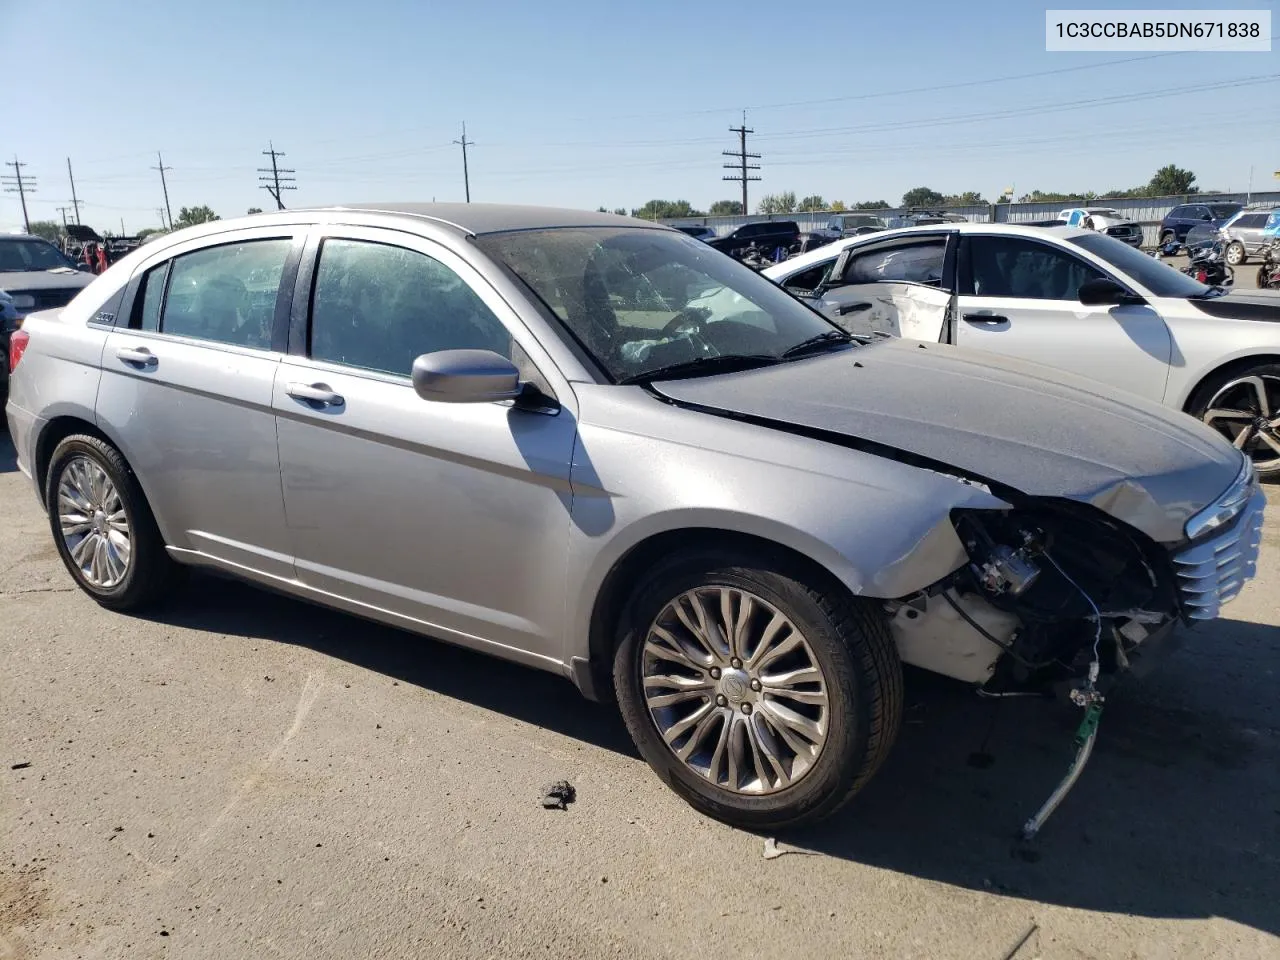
(244, 775)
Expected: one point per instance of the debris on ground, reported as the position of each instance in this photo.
(558, 795)
(21, 766)
(773, 850)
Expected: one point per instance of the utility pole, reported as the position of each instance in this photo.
(741, 162)
(165, 187)
(75, 202)
(63, 211)
(15, 184)
(273, 182)
(466, 178)
(122, 233)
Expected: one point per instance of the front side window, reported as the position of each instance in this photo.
(379, 307)
(226, 293)
(640, 301)
(902, 263)
(1027, 269)
(807, 281)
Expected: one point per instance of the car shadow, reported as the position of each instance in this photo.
(8, 455)
(1177, 816)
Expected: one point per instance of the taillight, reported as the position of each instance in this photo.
(17, 347)
(1201, 276)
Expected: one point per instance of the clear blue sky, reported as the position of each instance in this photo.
(586, 103)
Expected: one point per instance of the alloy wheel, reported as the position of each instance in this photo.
(93, 523)
(1247, 412)
(735, 690)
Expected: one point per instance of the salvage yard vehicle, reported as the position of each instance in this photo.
(1104, 220)
(1070, 298)
(462, 420)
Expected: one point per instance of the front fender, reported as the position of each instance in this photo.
(881, 527)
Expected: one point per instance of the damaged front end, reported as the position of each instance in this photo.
(1057, 590)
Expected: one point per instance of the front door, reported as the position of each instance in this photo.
(1017, 297)
(451, 517)
(186, 390)
(894, 288)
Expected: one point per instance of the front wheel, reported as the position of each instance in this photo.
(763, 699)
(1244, 406)
(1235, 254)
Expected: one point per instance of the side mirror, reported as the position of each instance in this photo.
(465, 376)
(1102, 292)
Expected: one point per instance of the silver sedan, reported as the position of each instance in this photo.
(519, 430)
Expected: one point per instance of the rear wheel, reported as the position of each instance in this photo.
(762, 699)
(1244, 406)
(103, 527)
(1235, 253)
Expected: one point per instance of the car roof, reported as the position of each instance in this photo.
(481, 218)
(1011, 229)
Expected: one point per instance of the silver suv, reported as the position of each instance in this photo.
(1245, 234)
(599, 447)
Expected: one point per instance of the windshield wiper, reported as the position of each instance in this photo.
(1215, 290)
(703, 366)
(814, 343)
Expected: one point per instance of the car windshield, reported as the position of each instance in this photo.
(1158, 277)
(641, 301)
(20, 256)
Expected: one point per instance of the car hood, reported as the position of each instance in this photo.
(44, 279)
(1263, 305)
(1018, 425)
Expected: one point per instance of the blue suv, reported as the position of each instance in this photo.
(1183, 217)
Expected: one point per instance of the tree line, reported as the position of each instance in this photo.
(1169, 181)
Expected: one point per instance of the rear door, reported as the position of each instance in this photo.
(893, 288)
(1018, 297)
(450, 516)
(186, 389)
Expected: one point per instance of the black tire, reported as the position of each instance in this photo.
(1235, 254)
(1199, 404)
(151, 574)
(852, 647)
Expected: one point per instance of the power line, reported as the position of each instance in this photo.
(464, 142)
(165, 187)
(63, 211)
(743, 157)
(16, 184)
(273, 182)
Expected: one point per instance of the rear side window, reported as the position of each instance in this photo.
(1017, 267)
(150, 298)
(379, 307)
(226, 294)
(907, 263)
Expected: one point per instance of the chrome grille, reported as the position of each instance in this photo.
(1211, 573)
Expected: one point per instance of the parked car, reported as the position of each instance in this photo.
(740, 524)
(852, 225)
(34, 275)
(1246, 234)
(766, 235)
(1183, 217)
(698, 232)
(924, 218)
(1069, 298)
(1104, 220)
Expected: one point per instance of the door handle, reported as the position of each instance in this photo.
(851, 308)
(317, 393)
(138, 355)
(985, 319)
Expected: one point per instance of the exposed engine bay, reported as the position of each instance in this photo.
(1050, 589)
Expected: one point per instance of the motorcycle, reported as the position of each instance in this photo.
(1207, 263)
(1269, 272)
